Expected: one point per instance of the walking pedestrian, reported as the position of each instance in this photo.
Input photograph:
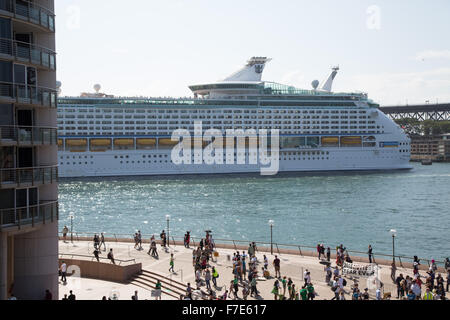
(275, 290)
(171, 263)
(398, 282)
(311, 293)
(215, 275)
(102, 241)
(253, 289)
(393, 270)
(96, 252)
(276, 264)
(369, 252)
(63, 272)
(158, 289)
(319, 250)
(111, 256)
(208, 279)
(328, 254)
(284, 285)
(65, 231)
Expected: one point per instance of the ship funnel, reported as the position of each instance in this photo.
(329, 82)
(252, 71)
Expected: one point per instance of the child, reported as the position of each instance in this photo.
(171, 263)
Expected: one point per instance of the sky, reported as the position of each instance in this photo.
(396, 51)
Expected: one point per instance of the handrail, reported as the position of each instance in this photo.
(29, 168)
(93, 257)
(43, 211)
(32, 86)
(29, 134)
(33, 13)
(29, 44)
(19, 126)
(29, 94)
(29, 52)
(18, 176)
(293, 246)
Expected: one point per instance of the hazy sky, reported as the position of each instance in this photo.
(397, 51)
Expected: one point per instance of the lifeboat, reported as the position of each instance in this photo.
(146, 141)
(351, 140)
(100, 142)
(123, 142)
(76, 142)
(199, 141)
(166, 142)
(330, 140)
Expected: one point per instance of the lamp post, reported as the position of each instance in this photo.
(71, 228)
(271, 222)
(168, 238)
(393, 233)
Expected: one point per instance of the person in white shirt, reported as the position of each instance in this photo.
(341, 283)
(63, 272)
(378, 294)
(416, 289)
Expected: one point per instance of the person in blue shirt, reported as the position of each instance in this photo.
(411, 295)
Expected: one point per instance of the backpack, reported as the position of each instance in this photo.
(344, 282)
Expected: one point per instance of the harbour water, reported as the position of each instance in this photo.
(355, 209)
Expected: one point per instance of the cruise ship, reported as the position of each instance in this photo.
(319, 130)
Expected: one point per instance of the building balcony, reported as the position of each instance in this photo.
(29, 12)
(45, 211)
(27, 94)
(26, 177)
(27, 136)
(28, 53)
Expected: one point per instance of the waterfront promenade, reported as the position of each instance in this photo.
(293, 265)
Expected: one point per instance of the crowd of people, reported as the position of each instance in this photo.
(247, 270)
(414, 288)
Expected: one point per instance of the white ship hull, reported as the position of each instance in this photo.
(157, 162)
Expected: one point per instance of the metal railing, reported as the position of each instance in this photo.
(92, 258)
(29, 135)
(27, 52)
(296, 248)
(30, 215)
(28, 94)
(30, 12)
(15, 177)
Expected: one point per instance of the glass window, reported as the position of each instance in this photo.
(5, 26)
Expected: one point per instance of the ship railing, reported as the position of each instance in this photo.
(29, 134)
(15, 177)
(29, 12)
(45, 211)
(261, 246)
(28, 94)
(28, 52)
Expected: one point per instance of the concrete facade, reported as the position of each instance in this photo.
(28, 150)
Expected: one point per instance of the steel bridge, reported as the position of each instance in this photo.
(421, 112)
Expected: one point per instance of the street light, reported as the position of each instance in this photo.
(71, 228)
(168, 239)
(271, 222)
(394, 234)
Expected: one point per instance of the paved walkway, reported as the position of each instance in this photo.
(291, 265)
